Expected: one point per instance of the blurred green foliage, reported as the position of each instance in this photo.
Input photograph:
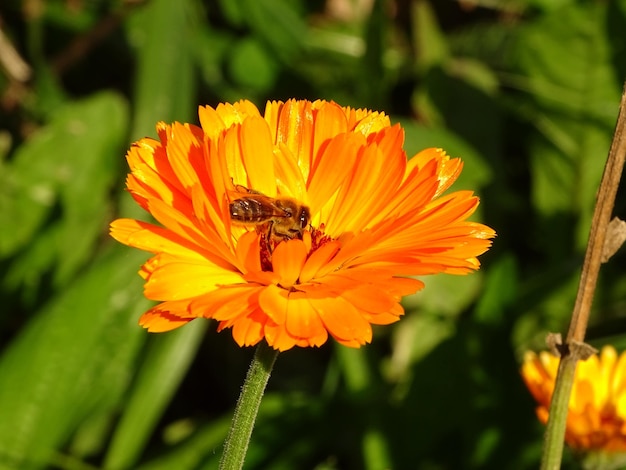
(526, 91)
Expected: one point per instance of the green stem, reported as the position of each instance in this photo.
(555, 430)
(247, 407)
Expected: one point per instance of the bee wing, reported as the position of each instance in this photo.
(255, 209)
(241, 192)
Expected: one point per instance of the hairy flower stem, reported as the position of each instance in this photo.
(247, 407)
(574, 348)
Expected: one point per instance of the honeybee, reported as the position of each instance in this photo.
(281, 218)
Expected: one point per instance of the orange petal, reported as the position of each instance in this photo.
(237, 112)
(289, 179)
(248, 330)
(229, 150)
(330, 122)
(211, 122)
(278, 338)
(294, 129)
(363, 199)
(369, 122)
(148, 181)
(287, 260)
(226, 303)
(164, 317)
(215, 121)
(154, 239)
(248, 252)
(318, 259)
(385, 318)
(342, 320)
(184, 154)
(448, 170)
(333, 169)
(257, 154)
(302, 320)
(273, 301)
(184, 280)
(177, 221)
(369, 299)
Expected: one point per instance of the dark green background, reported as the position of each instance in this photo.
(526, 92)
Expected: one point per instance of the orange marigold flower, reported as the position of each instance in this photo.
(295, 224)
(596, 418)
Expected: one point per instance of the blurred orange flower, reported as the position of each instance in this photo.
(295, 224)
(597, 409)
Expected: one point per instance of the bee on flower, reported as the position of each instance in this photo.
(303, 222)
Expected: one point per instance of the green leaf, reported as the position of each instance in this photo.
(278, 23)
(252, 66)
(461, 98)
(500, 291)
(68, 166)
(73, 359)
(376, 453)
(355, 368)
(167, 359)
(414, 338)
(202, 449)
(211, 51)
(162, 32)
(446, 295)
(234, 12)
(567, 60)
(476, 171)
(547, 298)
(431, 318)
(429, 41)
(547, 5)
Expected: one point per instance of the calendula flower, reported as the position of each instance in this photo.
(296, 224)
(596, 418)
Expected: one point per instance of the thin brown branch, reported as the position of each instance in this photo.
(599, 226)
